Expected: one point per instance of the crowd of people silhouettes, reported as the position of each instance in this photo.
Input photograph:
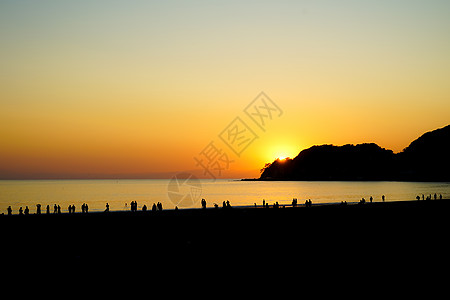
(429, 197)
(158, 206)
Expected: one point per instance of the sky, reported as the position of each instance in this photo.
(125, 89)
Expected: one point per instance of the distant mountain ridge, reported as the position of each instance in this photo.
(425, 159)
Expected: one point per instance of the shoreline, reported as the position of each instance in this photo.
(239, 207)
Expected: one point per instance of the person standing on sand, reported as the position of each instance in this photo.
(9, 210)
(107, 207)
(383, 198)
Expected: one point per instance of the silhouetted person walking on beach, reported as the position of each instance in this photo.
(48, 209)
(383, 198)
(203, 203)
(38, 209)
(20, 211)
(27, 211)
(107, 207)
(9, 210)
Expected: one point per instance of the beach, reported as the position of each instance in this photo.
(250, 234)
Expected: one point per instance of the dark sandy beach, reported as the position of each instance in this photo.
(246, 234)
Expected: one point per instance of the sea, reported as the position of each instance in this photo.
(187, 193)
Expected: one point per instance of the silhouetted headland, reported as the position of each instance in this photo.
(425, 159)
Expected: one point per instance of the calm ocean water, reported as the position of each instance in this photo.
(119, 193)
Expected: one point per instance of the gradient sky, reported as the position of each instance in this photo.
(94, 88)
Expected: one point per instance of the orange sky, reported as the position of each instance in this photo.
(104, 90)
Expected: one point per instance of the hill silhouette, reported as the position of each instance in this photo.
(425, 159)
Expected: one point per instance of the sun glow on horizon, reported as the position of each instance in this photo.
(282, 157)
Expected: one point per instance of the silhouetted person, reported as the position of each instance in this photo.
(294, 202)
(154, 207)
(228, 204)
(435, 196)
(86, 208)
(59, 209)
(383, 198)
(20, 211)
(107, 207)
(144, 208)
(203, 203)
(38, 209)
(224, 204)
(9, 210)
(133, 205)
(371, 199)
(70, 208)
(440, 196)
(423, 197)
(418, 198)
(48, 209)
(159, 205)
(27, 211)
(264, 203)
